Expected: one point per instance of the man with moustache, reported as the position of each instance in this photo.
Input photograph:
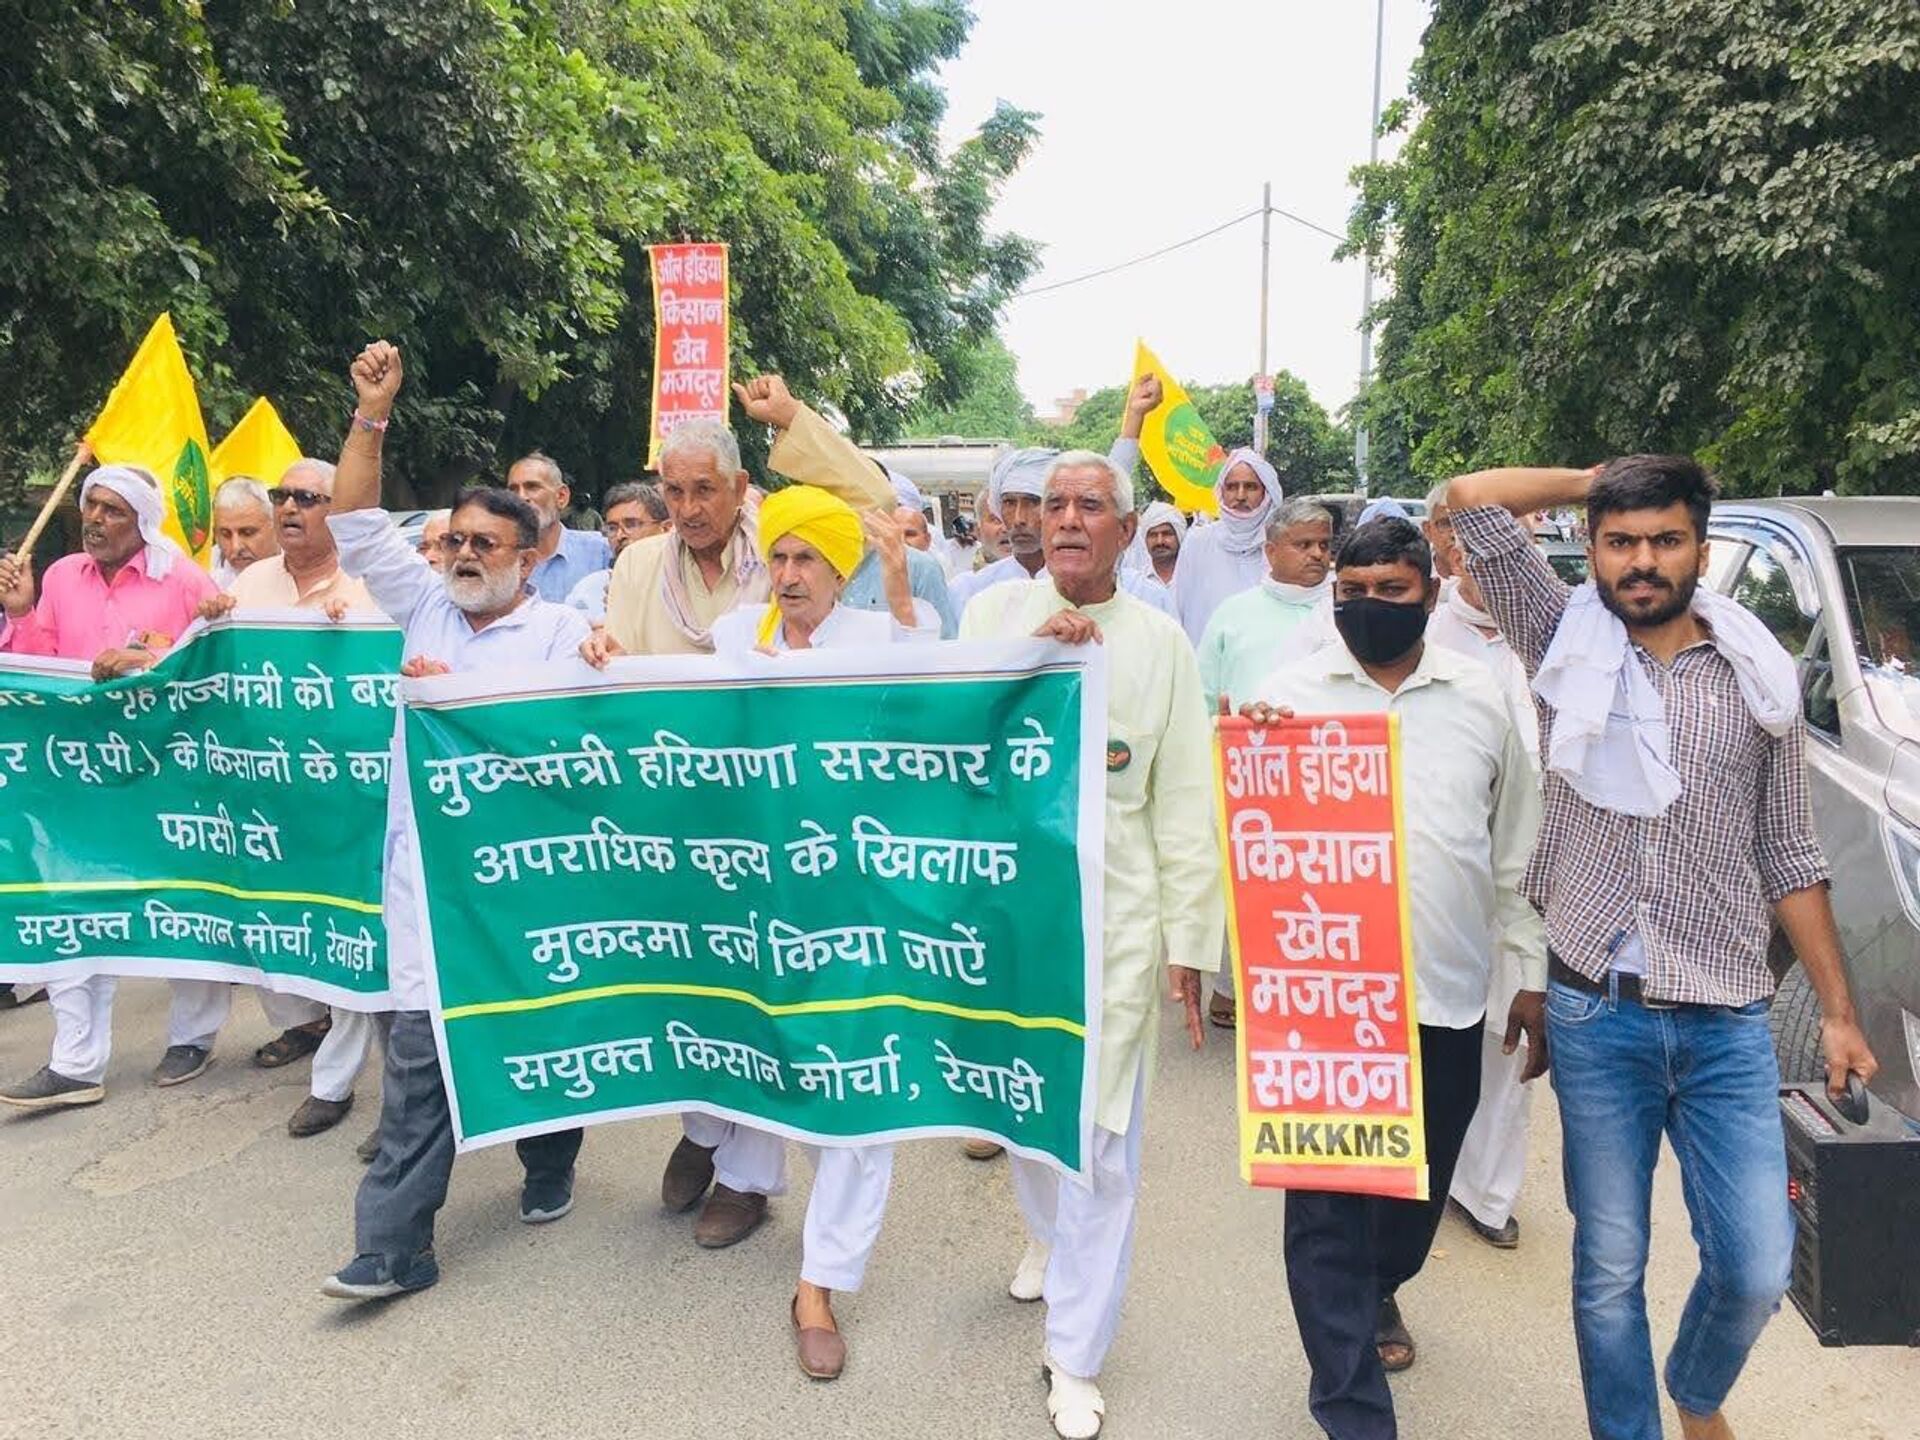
(1162, 902)
(631, 511)
(566, 556)
(665, 598)
(1220, 560)
(1677, 831)
(1471, 809)
(305, 574)
(481, 612)
(121, 603)
(1163, 528)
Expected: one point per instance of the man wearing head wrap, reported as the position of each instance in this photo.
(1163, 919)
(1156, 545)
(1385, 508)
(1224, 558)
(666, 595)
(1014, 495)
(811, 541)
(121, 603)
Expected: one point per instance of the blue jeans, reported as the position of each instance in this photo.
(1706, 1077)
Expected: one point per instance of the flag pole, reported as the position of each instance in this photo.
(1266, 251)
(81, 454)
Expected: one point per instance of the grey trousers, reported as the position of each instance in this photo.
(407, 1183)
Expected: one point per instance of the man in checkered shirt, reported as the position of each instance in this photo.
(1676, 832)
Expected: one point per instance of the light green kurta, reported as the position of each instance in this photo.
(1243, 644)
(1163, 883)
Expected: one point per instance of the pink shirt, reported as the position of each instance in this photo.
(80, 614)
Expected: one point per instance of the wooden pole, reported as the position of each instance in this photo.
(81, 454)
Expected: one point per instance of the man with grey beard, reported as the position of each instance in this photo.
(478, 613)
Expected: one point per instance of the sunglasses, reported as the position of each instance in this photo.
(453, 542)
(305, 499)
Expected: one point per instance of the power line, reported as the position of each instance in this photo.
(1177, 245)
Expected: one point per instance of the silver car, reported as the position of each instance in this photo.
(1838, 583)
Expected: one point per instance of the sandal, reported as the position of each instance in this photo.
(1390, 1333)
(291, 1045)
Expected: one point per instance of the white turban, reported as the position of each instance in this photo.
(1385, 508)
(1021, 472)
(905, 492)
(1161, 513)
(1244, 534)
(142, 493)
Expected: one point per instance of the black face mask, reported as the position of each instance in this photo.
(1379, 632)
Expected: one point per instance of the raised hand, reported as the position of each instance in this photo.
(766, 399)
(376, 376)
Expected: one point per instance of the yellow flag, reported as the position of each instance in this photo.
(152, 419)
(260, 446)
(1175, 441)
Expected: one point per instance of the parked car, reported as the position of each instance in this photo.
(1837, 581)
(1568, 558)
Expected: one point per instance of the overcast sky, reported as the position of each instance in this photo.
(1159, 121)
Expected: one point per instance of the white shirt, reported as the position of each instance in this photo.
(1472, 805)
(1449, 627)
(589, 597)
(1007, 569)
(738, 631)
(413, 595)
(1164, 901)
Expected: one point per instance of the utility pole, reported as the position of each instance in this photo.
(1262, 384)
(1266, 255)
(1366, 283)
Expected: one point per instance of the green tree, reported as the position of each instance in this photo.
(478, 179)
(990, 406)
(1655, 224)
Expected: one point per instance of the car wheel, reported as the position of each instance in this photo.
(1795, 1023)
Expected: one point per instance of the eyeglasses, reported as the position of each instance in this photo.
(453, 542)
(305, 499)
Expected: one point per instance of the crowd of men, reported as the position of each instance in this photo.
(1606, 815)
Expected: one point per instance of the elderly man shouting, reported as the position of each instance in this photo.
(305, 574)
(479, 613)
(121, 602)
(1162, 897)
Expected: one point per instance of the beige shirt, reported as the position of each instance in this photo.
(637, 614)
(266, 583)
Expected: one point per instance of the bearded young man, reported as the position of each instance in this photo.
(1678, 829)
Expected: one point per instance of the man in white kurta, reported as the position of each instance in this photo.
(1163, 898)
(1252, 633)
(1493, 1158)
(1220, 560)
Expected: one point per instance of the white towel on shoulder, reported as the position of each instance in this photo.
(1610, 737)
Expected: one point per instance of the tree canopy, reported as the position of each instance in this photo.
(477, 180)
(1624, 225)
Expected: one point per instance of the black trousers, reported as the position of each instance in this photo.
(1347, 1253)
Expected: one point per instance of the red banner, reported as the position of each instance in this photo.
(1328, 1050)
(690, 338)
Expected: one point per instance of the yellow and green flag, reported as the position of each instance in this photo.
(152, 419)
(260, 446)
(1175, 441)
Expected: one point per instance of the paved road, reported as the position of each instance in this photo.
(161, 1255)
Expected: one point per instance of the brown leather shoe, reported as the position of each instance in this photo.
(316, 1115)
(688, 1174)
(728, 1217)
(982, 1149)
(823, 1353)
(291, 1045)
(1220, 1010)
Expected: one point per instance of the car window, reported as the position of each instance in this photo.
(1817, 700)
(1764, 587)
(1883, 599)
(1724, 556)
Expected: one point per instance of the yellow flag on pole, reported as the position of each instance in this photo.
(152, 419)
(1175, 441)
(260, 446)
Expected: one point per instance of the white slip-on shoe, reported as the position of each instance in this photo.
(1073, 1405)
(1029, 1280)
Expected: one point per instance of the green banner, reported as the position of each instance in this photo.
(218, 817)
(835, 896)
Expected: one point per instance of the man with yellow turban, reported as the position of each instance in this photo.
(811, 541)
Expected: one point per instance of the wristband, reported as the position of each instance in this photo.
(361, 422)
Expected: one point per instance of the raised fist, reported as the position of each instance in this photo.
(376, 379)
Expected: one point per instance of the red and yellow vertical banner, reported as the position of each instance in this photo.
(1328, 1051)
(690, 338)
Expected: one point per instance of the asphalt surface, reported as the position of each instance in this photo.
(160, 1257)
